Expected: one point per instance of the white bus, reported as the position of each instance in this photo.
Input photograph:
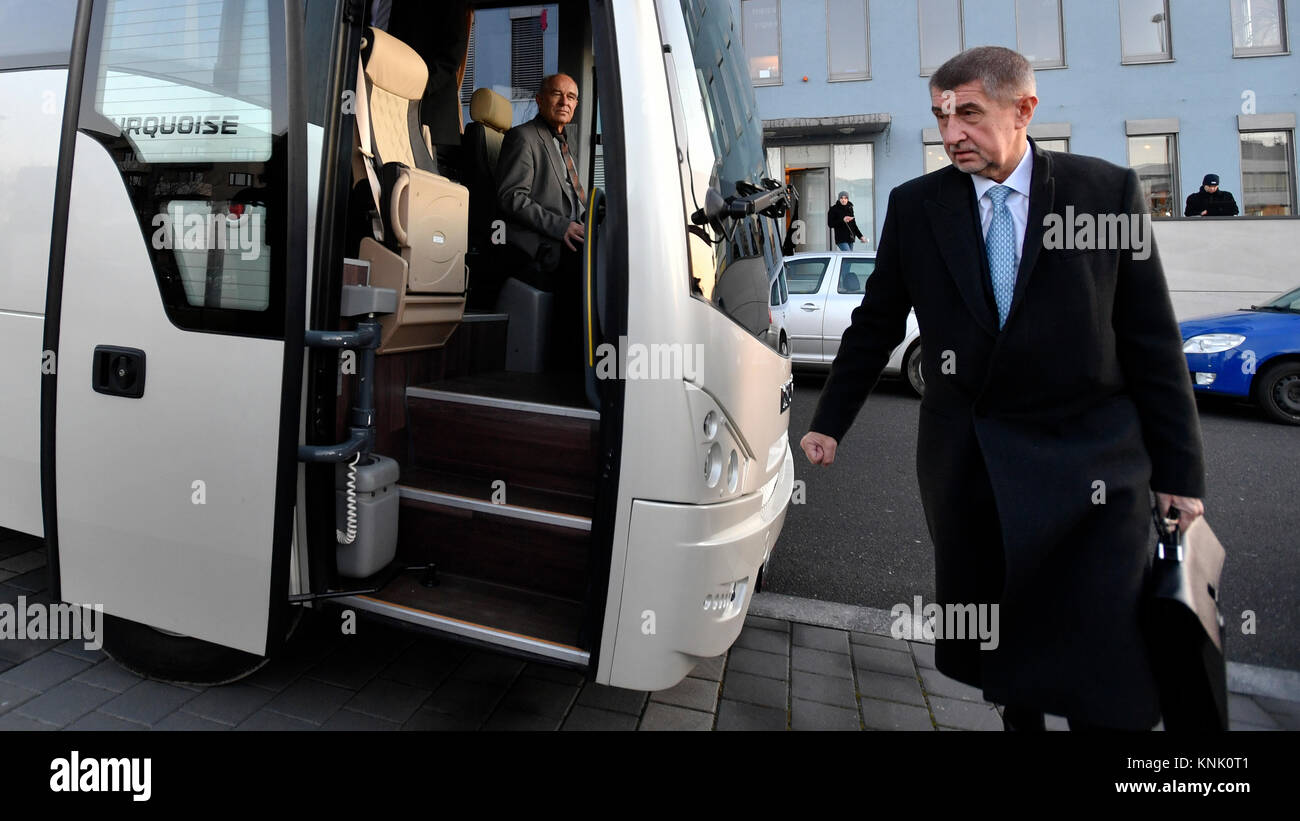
(241, 380)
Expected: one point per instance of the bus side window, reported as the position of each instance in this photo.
(36, 34)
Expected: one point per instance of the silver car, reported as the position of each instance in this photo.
(825, 287)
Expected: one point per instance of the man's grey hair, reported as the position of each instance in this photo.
(550, 79)
(1006, 74)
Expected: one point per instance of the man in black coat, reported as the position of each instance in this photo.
(1056, 400)
(840, 219)
(1209, 201)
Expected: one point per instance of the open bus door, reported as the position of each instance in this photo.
(175, 315)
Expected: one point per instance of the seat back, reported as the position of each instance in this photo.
(480, 150)
(848, 282)
(425, 216)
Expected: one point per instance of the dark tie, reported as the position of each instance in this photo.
(573, 172)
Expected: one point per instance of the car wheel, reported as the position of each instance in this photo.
(784, 347)
(912, 363)
(1277, 390)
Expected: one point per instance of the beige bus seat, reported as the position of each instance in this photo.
(419, 248)
(480, 148)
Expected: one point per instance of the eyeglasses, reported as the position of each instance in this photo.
(556, 94)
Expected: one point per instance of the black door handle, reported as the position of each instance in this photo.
(118, 371)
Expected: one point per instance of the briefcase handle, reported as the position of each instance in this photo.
(1167, 534)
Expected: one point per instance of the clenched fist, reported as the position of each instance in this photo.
(818, 447)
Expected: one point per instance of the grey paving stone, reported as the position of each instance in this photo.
(812, 715)
(767, 692)
(589, 718)
(769, 641)
(16, 721)
(5, 575)
(103, 722)
(559, 675)
(346, 719)
(1244, 709)
(1276, 706)
(902, 689)
(765, 623)
(669, 717)
(821, 638)
(148, 701)
(229, 704)
(109, 675)
(279, 673)
(924, 654)
(77, 649)
(889, 715)
(691, 693)
(23, 562)
(754, 662)
(33, 581)
(616, 699)
(1056, 723)
(426, 720)
(737, 715)
(426, 664)
(512, 721)
(1287, 721)
(183, 720)
(350, 666)
(538, 697)
(16, 652)
(489, 668)
(44, 671)
(825, 689)
(269, 720)
(5, 665)
(471, 699)
(11, 695)
(937, 684)
(390, 700)
(819, 661)
(964, 715)
(874, 659)
(310, 700)
(65, 703)
(882, 642)
(710, 668)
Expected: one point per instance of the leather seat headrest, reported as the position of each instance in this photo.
(491, 109)
(395, 67)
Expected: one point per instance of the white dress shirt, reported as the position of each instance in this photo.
(1017, 201)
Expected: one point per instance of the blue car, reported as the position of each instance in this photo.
(1252, 353)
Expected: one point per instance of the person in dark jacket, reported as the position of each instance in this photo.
(1210, 201)
(840, 220)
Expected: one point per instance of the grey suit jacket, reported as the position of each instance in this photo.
(533, 192)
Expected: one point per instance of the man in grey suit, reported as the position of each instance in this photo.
(543, 202)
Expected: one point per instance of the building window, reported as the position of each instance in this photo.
(848, 51)
(935, 157)
(941, 32)
(1268, 173)
(1155, 159)
(1054, 145)
(1039, 33)
(1258, 28)
(525, 57)
(467, 83)
(1144, 31)
(761, 34)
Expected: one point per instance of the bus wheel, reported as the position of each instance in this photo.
(153, 653)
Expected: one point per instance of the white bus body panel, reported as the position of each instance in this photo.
(679, 545)
(29, 132)
(132, 536)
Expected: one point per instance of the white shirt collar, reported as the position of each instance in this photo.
(1019, 181)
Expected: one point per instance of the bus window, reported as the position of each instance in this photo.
(36, 34)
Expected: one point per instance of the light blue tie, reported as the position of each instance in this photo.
(1001, 247)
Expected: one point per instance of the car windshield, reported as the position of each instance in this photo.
(1289, 302)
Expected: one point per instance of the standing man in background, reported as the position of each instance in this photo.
(841, 220)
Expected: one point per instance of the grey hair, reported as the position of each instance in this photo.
(1006, 74)
(551, 78)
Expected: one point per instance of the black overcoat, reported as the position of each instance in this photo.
(1038, 443)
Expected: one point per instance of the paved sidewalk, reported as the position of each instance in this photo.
(836, 673)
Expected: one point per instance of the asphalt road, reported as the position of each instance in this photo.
(860, 536)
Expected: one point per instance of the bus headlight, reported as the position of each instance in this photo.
(733, 473)
(713, 465)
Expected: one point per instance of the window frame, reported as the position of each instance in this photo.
(920, 37)
(1291, 173)
(823, 257)
(841, 77)
(1145, 59)
(1060, 38)
(845, 261)
(780, 51)
(1175, 170)
(1283, 49)
(519, 93)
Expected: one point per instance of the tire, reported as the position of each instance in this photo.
(784, 347)
(152, 653)
(912, 367)
(1277, 391)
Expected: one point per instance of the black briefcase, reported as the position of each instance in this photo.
(1183, 628)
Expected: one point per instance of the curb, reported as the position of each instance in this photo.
(1249, 679)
